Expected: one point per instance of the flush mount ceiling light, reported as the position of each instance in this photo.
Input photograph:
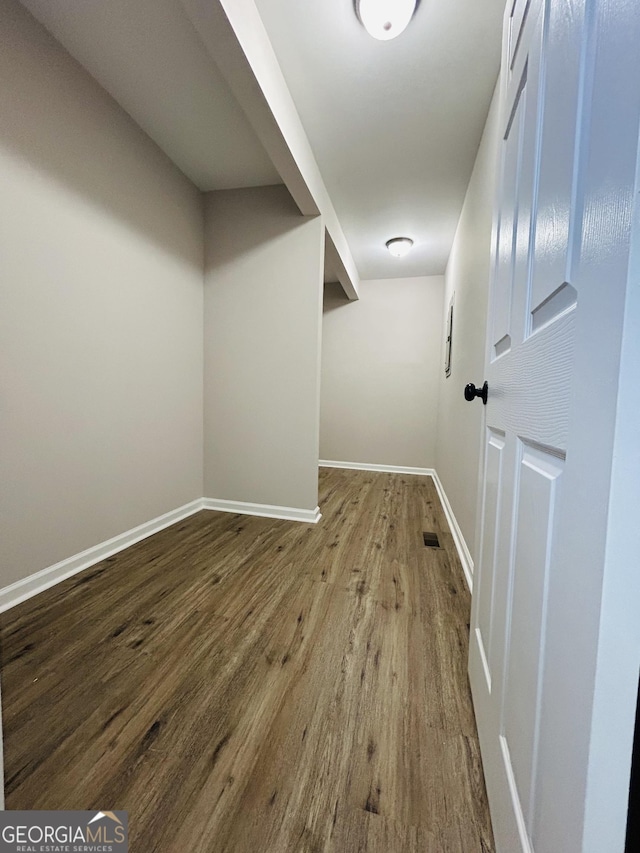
(385, 19)
(399, 246)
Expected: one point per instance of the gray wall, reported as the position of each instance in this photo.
(101, 331)
(263, 290)
(381, 359)
(100, 312)
(459, 433)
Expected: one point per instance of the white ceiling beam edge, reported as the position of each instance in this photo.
(235, 37)
(336, 265)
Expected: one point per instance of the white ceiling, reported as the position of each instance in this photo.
(395, 125)
(147, 55)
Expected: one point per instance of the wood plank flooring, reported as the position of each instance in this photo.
(241, 684)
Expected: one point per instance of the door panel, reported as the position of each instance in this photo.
(493, 512)
(539, 477)
(557, 209)
(501, 328)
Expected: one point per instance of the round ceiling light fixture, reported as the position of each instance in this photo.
(399, 246)
(385, 19)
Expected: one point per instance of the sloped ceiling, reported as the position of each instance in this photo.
(147, 55)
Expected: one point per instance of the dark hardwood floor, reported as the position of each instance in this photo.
(240, 684)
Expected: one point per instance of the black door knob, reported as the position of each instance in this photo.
(471, 392)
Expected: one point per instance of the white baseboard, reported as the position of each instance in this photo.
(28, 587)
(456, 532)
(285, 513)
(365, 466)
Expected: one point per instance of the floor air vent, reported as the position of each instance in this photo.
(431, 540)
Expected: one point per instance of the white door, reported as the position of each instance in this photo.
(553, 318)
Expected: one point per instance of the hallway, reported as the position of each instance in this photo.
(240, 684)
